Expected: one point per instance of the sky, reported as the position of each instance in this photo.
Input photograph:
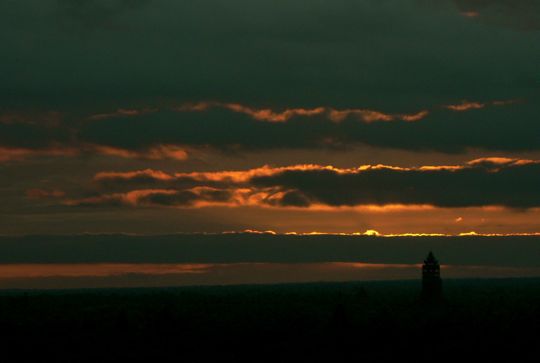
(210, 118)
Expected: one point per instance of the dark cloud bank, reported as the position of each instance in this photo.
(514, 186)
(511, 251)
(400, 56)
(484, 182)
(509, 128)
(501, 128)
(396, 53)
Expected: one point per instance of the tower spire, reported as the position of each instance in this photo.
(431, 277)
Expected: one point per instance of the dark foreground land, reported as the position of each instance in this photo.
(373, 321)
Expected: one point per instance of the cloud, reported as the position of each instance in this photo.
(466, 106)
(173, 132)
(33, 136)
(472, 105)
(517, 251)
(272, 116)
(139, 176)
(121, 112)
(496, 163)
(17, 153)
(157, 152)
(187, 197)
(156, 197)
(480, 183)
(369, 116)
(492, 181)
(43, 193)
(131, 198)
(511, 128)
(100, 85)
(109, 73)
(267, 114)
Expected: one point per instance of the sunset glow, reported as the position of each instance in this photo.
(349, 119)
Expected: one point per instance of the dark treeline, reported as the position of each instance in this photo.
(332, 322)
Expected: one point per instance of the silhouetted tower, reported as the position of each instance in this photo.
(431, 278)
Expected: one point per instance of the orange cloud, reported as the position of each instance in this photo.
(241, 176)
(365, 115)
(195, 107)
(131, 198)
(369, 116)
(296, 187)
(266, 170)
(336, 115)
(43, 193)
(245, 175)
(235, 197)
(9, 154)
(272, 116)
(262, 114)
(496, 163)
(196, 197)
(167, 152)
(150, 173)
(122, 112)
(156, 153)
(466, 106)
(415, 117)
(500, 161)
(374, 233)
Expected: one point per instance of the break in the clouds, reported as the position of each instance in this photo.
(484, 182)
